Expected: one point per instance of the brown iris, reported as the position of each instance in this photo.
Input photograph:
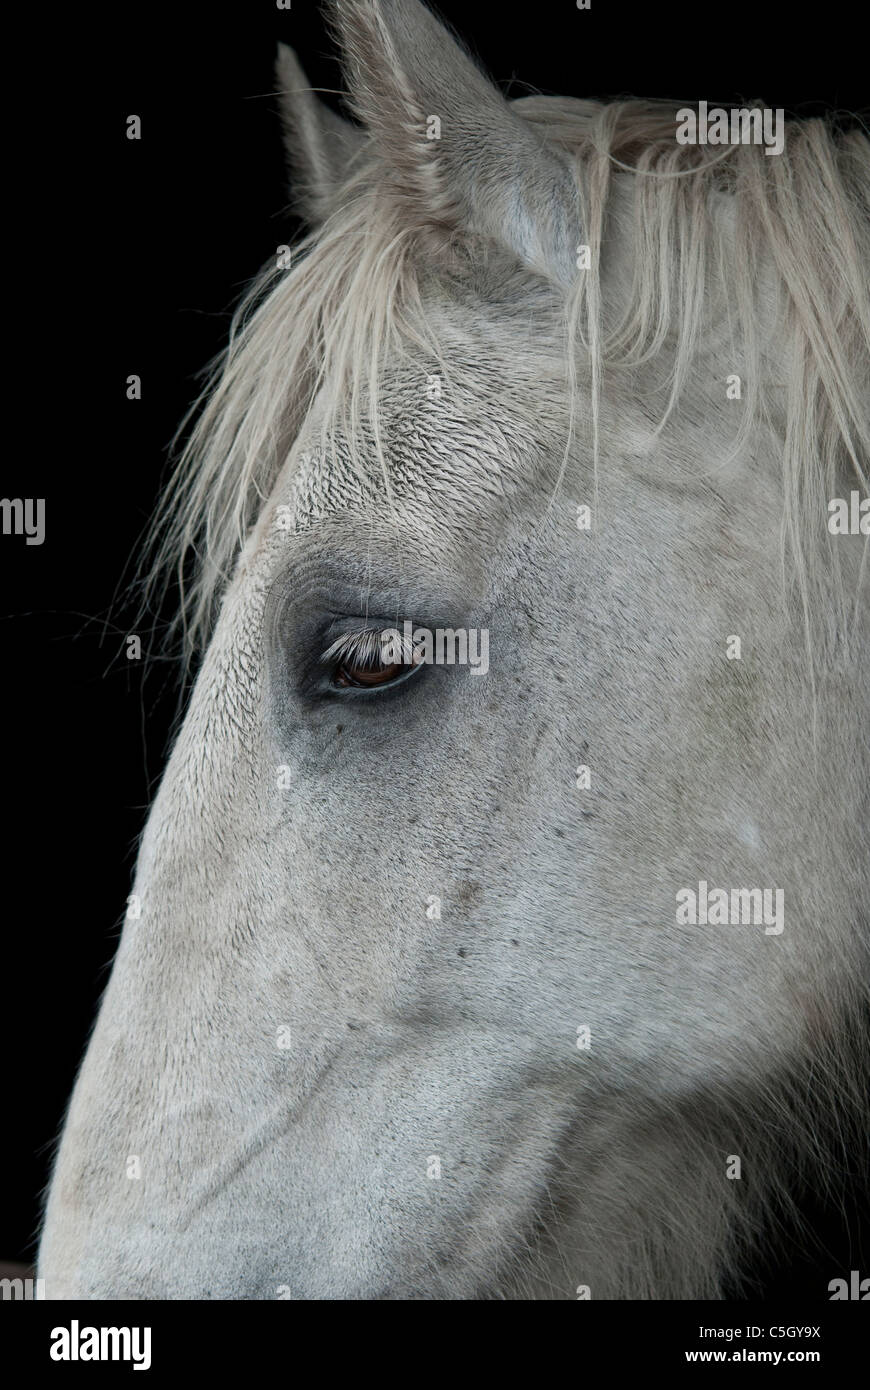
(364, 673)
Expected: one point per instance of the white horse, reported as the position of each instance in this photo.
(440, 984)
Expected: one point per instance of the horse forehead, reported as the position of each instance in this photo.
(465, 440)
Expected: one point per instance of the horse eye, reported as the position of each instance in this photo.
(366, 674)
(368, 660)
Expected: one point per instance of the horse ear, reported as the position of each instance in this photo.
(319, 144)
(456, 152)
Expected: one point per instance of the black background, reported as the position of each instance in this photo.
(132, 255)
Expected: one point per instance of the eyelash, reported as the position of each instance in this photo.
(355, 646)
